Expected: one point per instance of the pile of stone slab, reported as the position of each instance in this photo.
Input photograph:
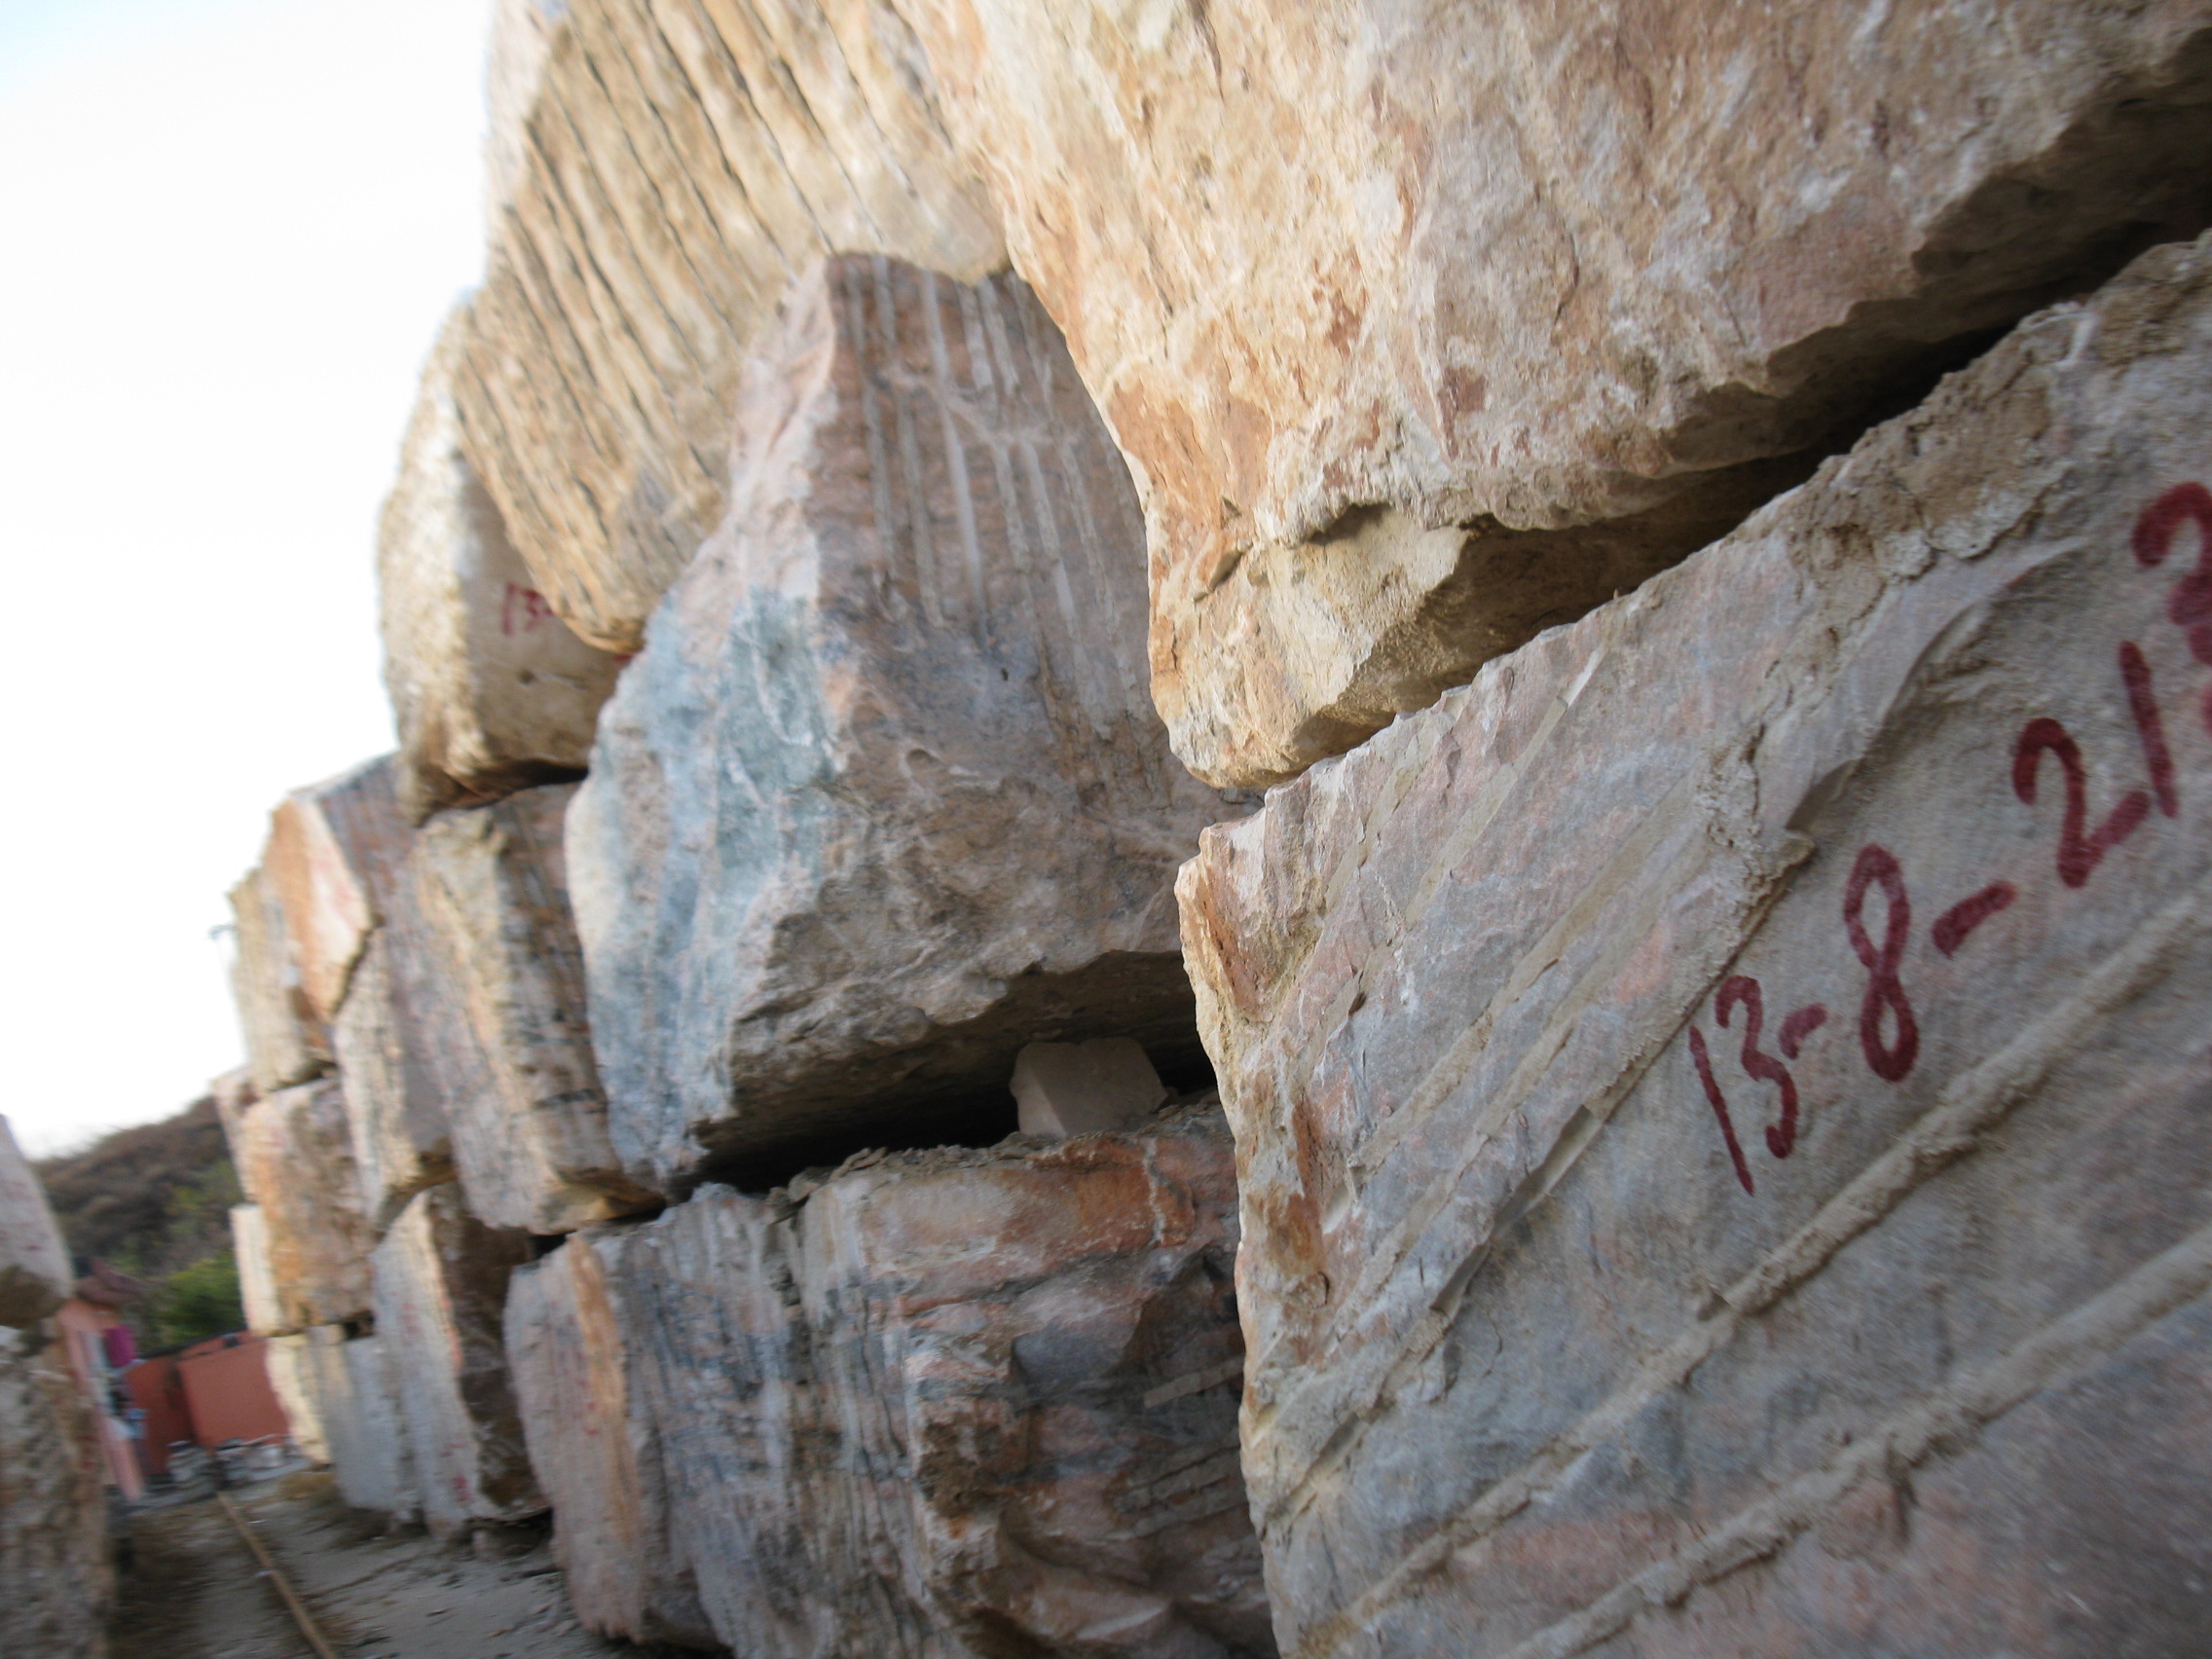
(1698, 518)
(56, 1576)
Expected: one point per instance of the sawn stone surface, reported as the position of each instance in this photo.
(884, 797)
(1425, 327)
(1722, 1101)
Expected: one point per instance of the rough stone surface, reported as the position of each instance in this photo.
(530, 1138)
(57, 1579)
(1381, 296)
(285, 1043)
(294, 1154)
(1083, 1088)
(353, 1398)
(680, 162)
(1724, 1126)
(294, 1377)
(35, 1277)
(491, 690)
(262, 1300)
(884, 797)
(591, 1443)
(403, 1054)
(441, 1287)
(335, 851)
(987, 1396)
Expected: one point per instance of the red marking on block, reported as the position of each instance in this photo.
(1889, 1060)
(1969, 914)
(1704, 1063)
(1742, 989)
(2150, 726)
(2079, 853)
(1798, 1025)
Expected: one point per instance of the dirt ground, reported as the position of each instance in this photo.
(194, 1590)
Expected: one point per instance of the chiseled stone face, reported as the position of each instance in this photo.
(1722, 1101)
(663, 170)
(987, 1396)
(491, 690)
(441, 1289)
(884, 797)
(294, 1154)
(1389, 302)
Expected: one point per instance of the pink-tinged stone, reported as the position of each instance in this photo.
(1724, 1107)
(334, 851)
(592, 1442)
(285, 1042)
(1426, 327)
(441, 1289)
(294, 1154)
(885, 799)
(951, 1402)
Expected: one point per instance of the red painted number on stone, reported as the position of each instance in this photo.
(2150, 726)
(2079, 853)
(2190, 609)
(1719, 1103)
(1969, 914)
(528, 602)
(1743, 990)
(1890, 1058)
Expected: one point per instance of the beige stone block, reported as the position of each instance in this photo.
(57, 1570)
(354, 1398)
(402, 1054)
(678, 164)
(441, 1288)
(294, 1154)
(258, 1291)
(1724, 1128)
(989, 1396)
(1425, 328)
(530, 1138)
(490, 690)
(35, 1277)
(293, 1375)
(285, 1042)
(571, 1334)
(334, 851)
(1085, 1089)
(884, 797)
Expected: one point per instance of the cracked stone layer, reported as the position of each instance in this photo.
(1423, 327)
(1725, 1157)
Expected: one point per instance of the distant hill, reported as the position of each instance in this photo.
(153, 1202)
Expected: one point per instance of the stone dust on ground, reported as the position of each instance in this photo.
(194, 1590)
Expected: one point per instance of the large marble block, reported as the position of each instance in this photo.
(294, 1153)
(285, 1042)
(353, 1397)
(1425, 327)
(491, 690)
(572, 1348)
(441, 1289)
(35, 1277)
(956, 1402)
(662, 169)
(57, 1566)
(335, 851)
(258, 1292)
(1722, 1104)
(294, 1378)
(403, 1055)
(884, 798)
(527, 1115)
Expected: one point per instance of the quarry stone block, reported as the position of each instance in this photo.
(56, 1571)
(404, 1057)
(335, 851)
(529, 1117)
(662, 168)
(293, 1377)
(1722, 1100)
(441, 1287)
(571, 1340)
(352, 1396)
(1081, 1089)
(285, 1042)
(1425, 328)
(35, 1277)
(491, 690)
(884, 797)
(294, 1154)
(989, 1395)
(258, 1292)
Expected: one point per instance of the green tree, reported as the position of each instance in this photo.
(199, 1301)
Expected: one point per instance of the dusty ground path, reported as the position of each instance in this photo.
(195, 1591)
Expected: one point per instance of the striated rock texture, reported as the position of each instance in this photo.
(35, 1277)
(285, 1043)
(1725, 1134)
(491, 690)
(884, 797)
(404, 1055)
(294, 1154)
(441, 1288)
(571, 1340)
(1425, 328)
(680, 162)
(529, 1122)
(989, 1397)
(56, 1576)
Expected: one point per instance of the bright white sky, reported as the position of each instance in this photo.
(231, 228)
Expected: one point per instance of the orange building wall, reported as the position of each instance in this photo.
(226, 1390)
